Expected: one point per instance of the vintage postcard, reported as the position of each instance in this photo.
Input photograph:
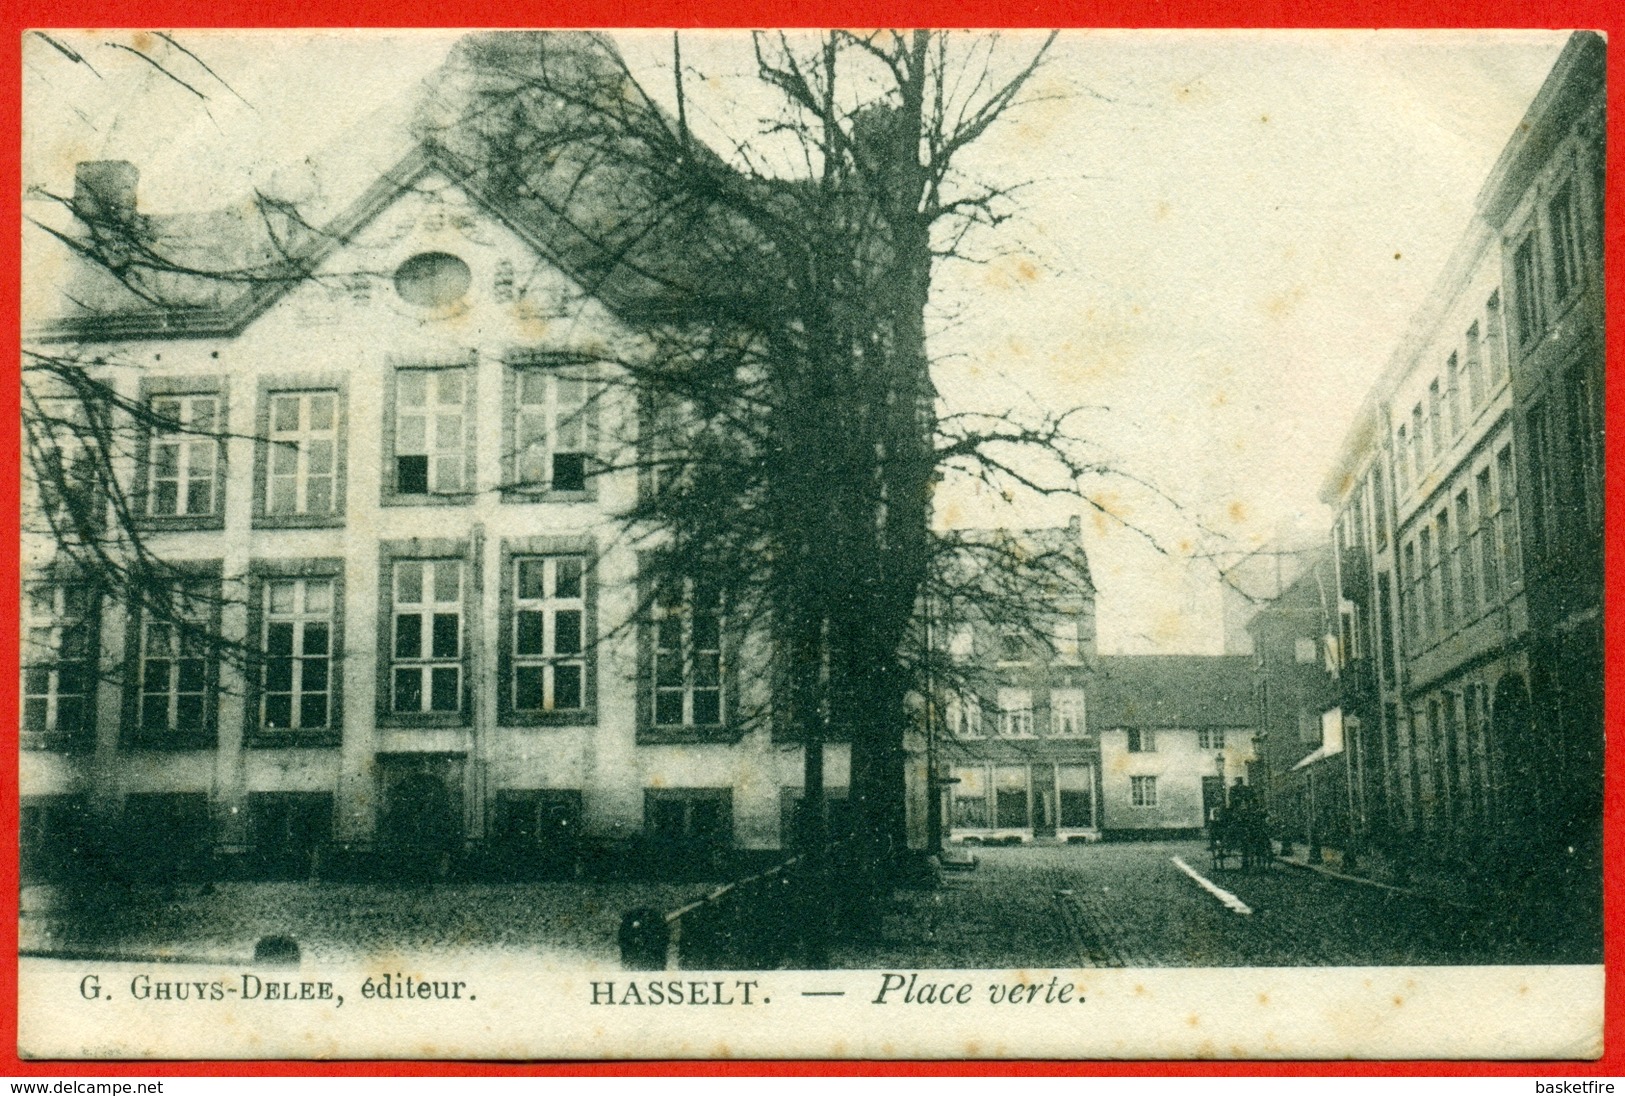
(594, 545)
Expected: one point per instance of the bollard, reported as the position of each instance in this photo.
(645, 938)
(276, 951)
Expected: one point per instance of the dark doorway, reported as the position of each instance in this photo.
(1044, 801)
(1212, 796)
(422, 831)
(689, 830)
(289, 833)
(166, 837)
(535, 834)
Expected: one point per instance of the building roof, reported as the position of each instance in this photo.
(1173, 691)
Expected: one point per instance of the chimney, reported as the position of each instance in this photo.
(104, 190)
(1074, 525)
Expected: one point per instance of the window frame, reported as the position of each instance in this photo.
(1140, 739)
(261, 573)
(513, 551)
(1017, 719)
(206, 573)
(301, 385)
(1060, 699)
(425, 550)
(467, 362)
(53, 737)
(588, 372)
(1142, 792)
(648, 731)
(151, 390)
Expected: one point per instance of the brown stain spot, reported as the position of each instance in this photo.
(971, 1048)
(1139, 990)
(1396, 256)
(1263, 998)
(1164, 211)
(1398, 1001)
(143, 41)
(1220, 398)
(1237, 511)
(1283, 305)
(1193, 1020)
(1522, 990)
(1264, 118)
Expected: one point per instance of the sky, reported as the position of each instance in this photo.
(1218, 238)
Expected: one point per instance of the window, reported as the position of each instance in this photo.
(301, 460)
(1563, 219)
(1076, 787)
(1143, 791)
(536, 834)
(1012, 647)
(1305, 650)
(1447, 581)
(550, 430)
(1379, 506)
(1466, 549)
(689, 820)
(1436, 435)
(1016, 713)
(426, 652)
(1210, 738)
(60, 648)
(1453, 395)
(1418, 457)
(1427, 578)
(186, 456)
(1064, 640)
(962, 644)
(970, 798)
(965, 717)
(687, 663)
(1542, 472)
(549, 640)
(431, 432)
(288, 832)
(297, 634)
(1402, 472)
(1385, 627)
(1585, 430)
(1010, 797)
(178, 672)
(1506, 520)
(433, 280)
(1408, 603)
(1526, 290)
(1495, 340)
(52, 837)
(1489, 555)
(1142, 740)
(1475, 369)
(1067, 712)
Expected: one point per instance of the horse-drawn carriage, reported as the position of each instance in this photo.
(1240, 833)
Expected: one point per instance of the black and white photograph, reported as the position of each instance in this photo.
(587, 544)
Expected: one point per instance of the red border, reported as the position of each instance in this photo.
(1604, 15)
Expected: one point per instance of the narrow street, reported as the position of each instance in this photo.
(1129, 905)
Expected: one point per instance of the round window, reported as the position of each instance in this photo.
(432, 280)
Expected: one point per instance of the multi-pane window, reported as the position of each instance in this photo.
(550, 430)
(297, 632)
(1526, 289)
(59, 660)
(430, 431)
(1016, 713)
(302, 463)
(1076, 785)
(1402, 471)
(965, 716)
(1418, 457)
(1379, 506)
(1064, 640)
(1430, 588)
(1142, 740)
(1067, 712)
(1584, 398)
(185, 452)
(1408, 605)
(1010, 797)
(1563, 219)
(1488, 554)
(1447, 581)
(1466, 554)
(426, 668)
(1143, 791)
(970, 798)
(1475, 369)
(687, 669)
(1452, 371)
(177, 671)
(1210, 738)
(1506, 520)
(962, 643)
(1495, 340)
(549, 634)
(1436, 418)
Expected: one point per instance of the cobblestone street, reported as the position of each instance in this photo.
(1130, 905)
